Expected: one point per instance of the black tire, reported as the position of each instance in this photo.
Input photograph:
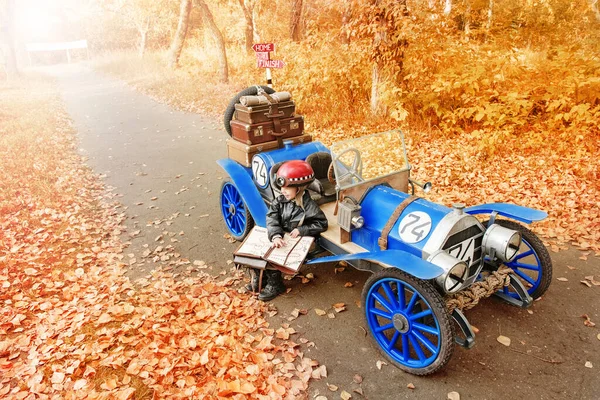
(230, 110)
(428, 298)
(541, 254)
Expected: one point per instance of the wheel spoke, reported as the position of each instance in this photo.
(389, 293)
(525, 277)
(425, 328)
(392, 342)
(412, 302)
(531, 267)
(382, 328)
(401, 295)
(425, 341)
(405, 347)
(523, 255)
(382, 301)
(416, 346)
(381, 313)
(420, 315)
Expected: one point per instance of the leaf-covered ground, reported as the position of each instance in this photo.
(73, 326)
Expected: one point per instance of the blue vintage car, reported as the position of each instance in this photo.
(421, 253)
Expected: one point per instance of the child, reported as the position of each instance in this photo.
(294, 212)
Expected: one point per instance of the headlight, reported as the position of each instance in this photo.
(455, 271)
(501, 242)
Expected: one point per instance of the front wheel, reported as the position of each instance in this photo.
(532, 264)
(408, 321)
(236, 215)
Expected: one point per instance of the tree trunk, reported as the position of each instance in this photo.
(448, 7)
(296, 26)
(468, 19)
(144, 36)
(249, 30)
(12, 69)
(490, 15)
(182, 27)
(345, 38)
(375, 89)
(218, 37)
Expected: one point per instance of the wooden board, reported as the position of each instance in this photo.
(333, 231)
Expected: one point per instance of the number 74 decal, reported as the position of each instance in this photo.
(414, 227)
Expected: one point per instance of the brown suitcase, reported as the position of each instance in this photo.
(266, 131)
(265, 112)
(243, 153)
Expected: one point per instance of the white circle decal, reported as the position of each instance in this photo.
(414, 227)
(259, 172)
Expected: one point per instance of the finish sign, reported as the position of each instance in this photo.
(263, 56)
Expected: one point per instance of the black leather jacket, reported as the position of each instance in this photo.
(284, 216)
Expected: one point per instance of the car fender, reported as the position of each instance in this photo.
(513, 211)
(245, 185)
(400, 259)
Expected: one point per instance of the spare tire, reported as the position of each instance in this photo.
(251, 91)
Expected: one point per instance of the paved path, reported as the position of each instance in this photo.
(143, 146)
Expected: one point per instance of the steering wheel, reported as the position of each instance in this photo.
(354, 170)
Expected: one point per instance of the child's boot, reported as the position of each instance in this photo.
(274, 286)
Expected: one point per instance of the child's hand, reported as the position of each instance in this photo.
(295, 233)
(278, 242)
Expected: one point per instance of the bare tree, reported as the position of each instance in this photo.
(184, 18)
(490, 14)
(296, 23)
(467, 18)
(448, 7)
(218, 37)
(345, 38)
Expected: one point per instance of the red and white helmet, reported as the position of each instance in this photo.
(295, 173)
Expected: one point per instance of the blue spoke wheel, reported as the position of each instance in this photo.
(236, 215)
(408, 321)
(532, 264)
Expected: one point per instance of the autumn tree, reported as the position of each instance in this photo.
(217, 36)
(185, 9)
(250, 31)
(296, 22)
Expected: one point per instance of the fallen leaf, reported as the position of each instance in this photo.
(339, 307)
(562, 279)
(588, 321)
(475, 329)
(320, 312)
(345, 395)
(359, 391)
(588, 364)
(571, 268)
(411, 386)
(357, 379)
(380, 364)
(586, 283)
(57, 377)
(453, 396)
(503, 340)
(348, 284)
(333, 388)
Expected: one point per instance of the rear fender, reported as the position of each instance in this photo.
(243, 181)
(523, 214)
(402, 260)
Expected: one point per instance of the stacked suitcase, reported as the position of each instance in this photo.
(261, 123)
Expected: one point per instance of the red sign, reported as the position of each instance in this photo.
(263, 55)
(263, 47)
(270, 64)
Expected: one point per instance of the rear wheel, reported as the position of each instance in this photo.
(236, 215)
(230, 110)
(532, 264)
(408, 321)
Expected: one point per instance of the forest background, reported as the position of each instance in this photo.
(506, 92)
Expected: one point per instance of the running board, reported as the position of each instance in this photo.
(524, 300)
(469, 336)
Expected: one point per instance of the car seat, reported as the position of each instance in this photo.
(320, 163)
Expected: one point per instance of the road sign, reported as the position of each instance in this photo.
(263, 55)
(270, 64)
(263, 47)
